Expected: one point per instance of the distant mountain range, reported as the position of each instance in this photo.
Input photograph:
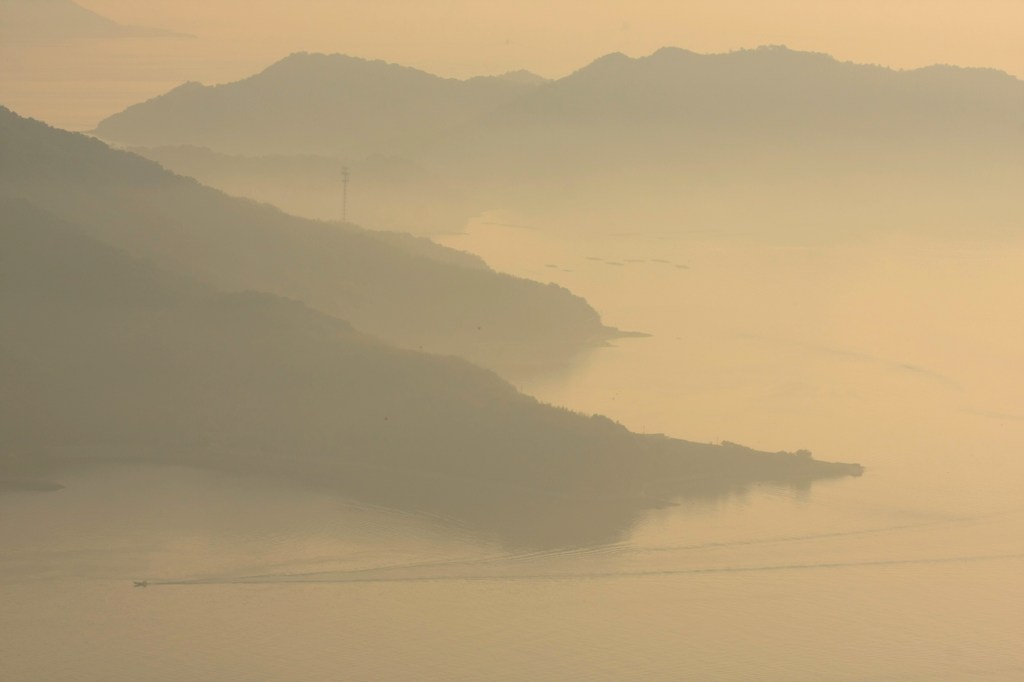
(315, 104)
(671, 139)
(52, 20)
(407, 291)
(338, 105)
(677, 107)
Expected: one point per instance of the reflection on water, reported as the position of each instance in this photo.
(252, 579)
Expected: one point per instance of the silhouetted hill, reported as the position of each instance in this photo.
(331, 105)
(407, 291)
(50, 20)
(107, 359)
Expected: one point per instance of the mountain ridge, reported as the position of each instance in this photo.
(387, 286)
(772, 67)
(109, 360)
(358, 106)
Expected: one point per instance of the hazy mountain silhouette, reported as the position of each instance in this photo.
(768, 142)
(768, 90)
(407, 291)
(106, 359)
(671, 101)
(667, 141)
(676, 119)
(314, 104)
(52, 20)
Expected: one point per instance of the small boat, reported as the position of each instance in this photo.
(141, 583)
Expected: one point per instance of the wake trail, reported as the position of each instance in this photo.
(312, 576)
(366, 573)
(823, 536)
(598, 575)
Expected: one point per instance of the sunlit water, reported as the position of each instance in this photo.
(902, 355)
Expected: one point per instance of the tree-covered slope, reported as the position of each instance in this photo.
(108, 359)
(411, 293)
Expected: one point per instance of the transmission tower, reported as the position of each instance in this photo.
(344, 194)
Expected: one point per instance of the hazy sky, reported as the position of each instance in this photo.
(553, 37)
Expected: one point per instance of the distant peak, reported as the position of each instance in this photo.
(784, 52)
(613, 58)
(608, 63)
(304, 56)
(672, 52)
(987, 73)
(323, 64)
(301, 60)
